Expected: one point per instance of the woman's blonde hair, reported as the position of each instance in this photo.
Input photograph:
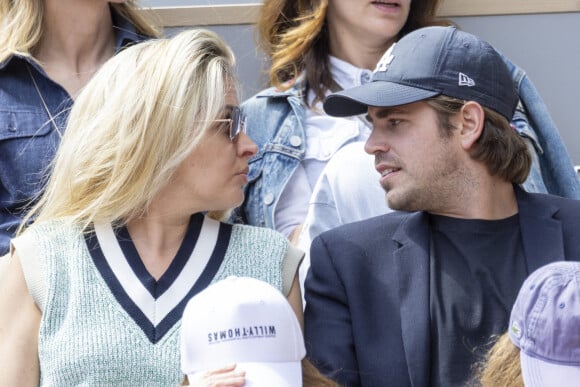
(21, 24)
(294, 35)
(501, 366)
(132, 125)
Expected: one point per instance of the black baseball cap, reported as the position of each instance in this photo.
(428, 62)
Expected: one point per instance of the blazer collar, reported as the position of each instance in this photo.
(412, 266)
(542, 235)
(542, 242)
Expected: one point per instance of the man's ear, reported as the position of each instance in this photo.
(472, 120)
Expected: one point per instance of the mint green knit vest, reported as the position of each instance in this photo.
(87, 338)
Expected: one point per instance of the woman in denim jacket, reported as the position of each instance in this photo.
(316, 47)
(48, 51)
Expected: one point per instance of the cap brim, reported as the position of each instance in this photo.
(540, 373)
(355, 101)
(279, 374)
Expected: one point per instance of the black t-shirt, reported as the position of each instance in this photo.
(476, 270)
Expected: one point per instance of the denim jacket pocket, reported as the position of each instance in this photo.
(28, 143)
(20, 124)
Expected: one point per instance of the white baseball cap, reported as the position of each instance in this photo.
(244, 321)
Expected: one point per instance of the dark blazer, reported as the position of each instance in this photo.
(367, 291)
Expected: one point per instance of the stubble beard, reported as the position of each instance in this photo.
(410, 199)
(429, 191)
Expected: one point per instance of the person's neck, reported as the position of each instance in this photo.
(361, 53)
(492, 199)
(158, 239)
(78, 38)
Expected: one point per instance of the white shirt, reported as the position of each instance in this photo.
(325, 135)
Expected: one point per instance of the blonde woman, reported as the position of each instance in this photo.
(155, 149)
(49, 49)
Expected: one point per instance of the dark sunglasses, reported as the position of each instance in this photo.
(237, 122)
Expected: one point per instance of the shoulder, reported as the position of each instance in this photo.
(265, 238)
(354, 161)
(271, 109)
(271, 100)
(11, 64)
(560, 206)
(248, 230)
(365, 233)
(54, 228)
(127, 34)
(273, 97)
(56, 237)
(256, 252)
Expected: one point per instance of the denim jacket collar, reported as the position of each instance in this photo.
(298, 89)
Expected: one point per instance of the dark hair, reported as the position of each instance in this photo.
(294, 35)
(499, 147)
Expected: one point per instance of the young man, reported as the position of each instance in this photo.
(414, 297)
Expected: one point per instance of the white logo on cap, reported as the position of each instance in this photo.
(386, 60)
(464, 80)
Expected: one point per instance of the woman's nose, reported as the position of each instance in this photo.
(246, 147)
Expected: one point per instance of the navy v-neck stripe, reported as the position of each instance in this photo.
(204, 280)
(157, 287)
(156, 333)
(115, 286)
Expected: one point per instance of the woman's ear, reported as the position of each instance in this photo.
(472, 121)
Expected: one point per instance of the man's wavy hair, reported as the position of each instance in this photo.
(499, 147)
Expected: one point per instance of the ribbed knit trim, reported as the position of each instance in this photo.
(156, 306)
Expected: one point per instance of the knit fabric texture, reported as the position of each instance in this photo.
(87, 338)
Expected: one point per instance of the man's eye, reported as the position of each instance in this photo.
(394, 122)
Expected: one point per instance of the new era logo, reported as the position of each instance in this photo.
(464, 80)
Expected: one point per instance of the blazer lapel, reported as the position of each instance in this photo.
(412, 265)
(542, 241)
(541, 233)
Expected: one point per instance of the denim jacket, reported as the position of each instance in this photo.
(28, 138)
(276, 119)
(552, 169)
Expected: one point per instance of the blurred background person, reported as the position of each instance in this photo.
(49, 49)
